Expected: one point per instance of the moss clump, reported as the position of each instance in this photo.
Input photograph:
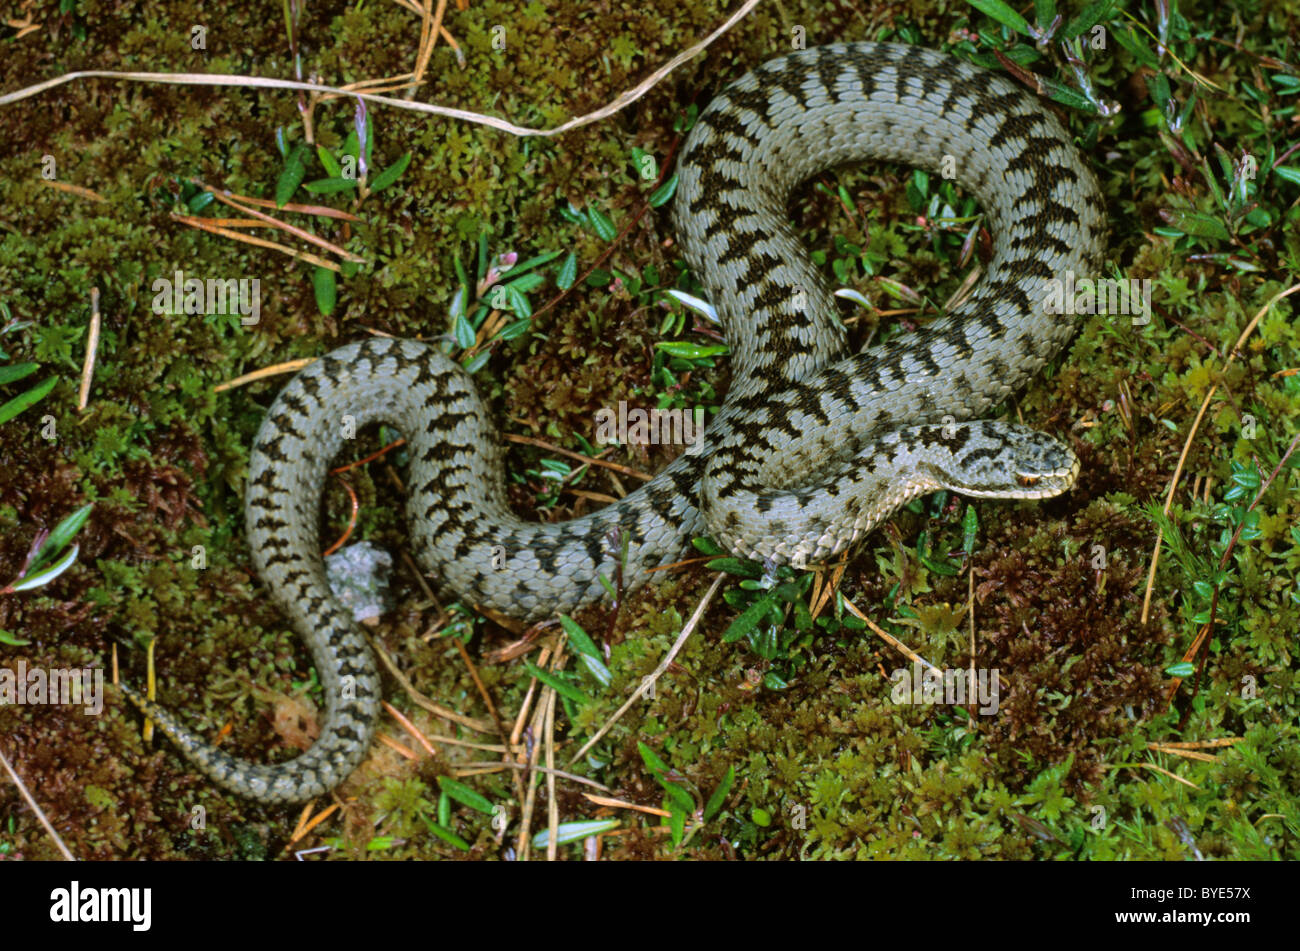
(829, 766)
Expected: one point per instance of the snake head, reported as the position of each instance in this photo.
(999, 460)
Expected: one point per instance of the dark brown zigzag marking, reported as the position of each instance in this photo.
(1011, 291)
(1040, 241)
(724, 220)
(719, 150)
(713, 187)
(753, 100)
(1034, 158)
(791, 81)
(726, 123)
(1017, 126)
(912, 71)
(759, 265)
(866, 73)
(829, 66)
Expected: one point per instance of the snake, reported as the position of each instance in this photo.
(813, 446)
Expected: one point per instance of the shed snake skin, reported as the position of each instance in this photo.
(814, 446)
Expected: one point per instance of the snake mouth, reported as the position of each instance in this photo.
(1040, 486)
(1043, 488)
(1043, 485)
(1038, 483)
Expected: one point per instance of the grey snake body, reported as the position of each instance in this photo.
(813, 447)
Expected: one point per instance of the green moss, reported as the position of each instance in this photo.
(829, 766)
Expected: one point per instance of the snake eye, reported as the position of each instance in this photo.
(1027, 481)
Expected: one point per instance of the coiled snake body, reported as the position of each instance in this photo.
(813, 446)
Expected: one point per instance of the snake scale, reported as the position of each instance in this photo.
(814, 445)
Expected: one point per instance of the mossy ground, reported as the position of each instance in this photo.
(826, 767)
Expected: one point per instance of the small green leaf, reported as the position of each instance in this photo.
(1181, 670)
(531, 263)
(17, 372)
(444, 833)
(664, 193)
(295, 170)
(679, 799)
(1002, 13)
(328, 186)
(1092, 14)
(1201, 225)
(574, 831)
(1068, 96)
(35, 580)
(26, 400)
(970, 527)
(327, 160)
(602, 225)
(518, 302)
(1250, 478)
(677, 825)
(774, 681)
(322, 282)
(568, 272)
(598, 670)
(714, 805)
(579, 638)
(391, 174)
(465, 796)
(527, 283)
(571, 214)
(802, 617)
(463, 331)
(516, 329)
(736, 566)
(940, 567)
(709, 547)
(652, 759)
(560, 686)
(588, 652)
(351, 145)
(691, 351)
(63, 533)
(747, 621)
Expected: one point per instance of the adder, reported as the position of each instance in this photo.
(814, 445)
